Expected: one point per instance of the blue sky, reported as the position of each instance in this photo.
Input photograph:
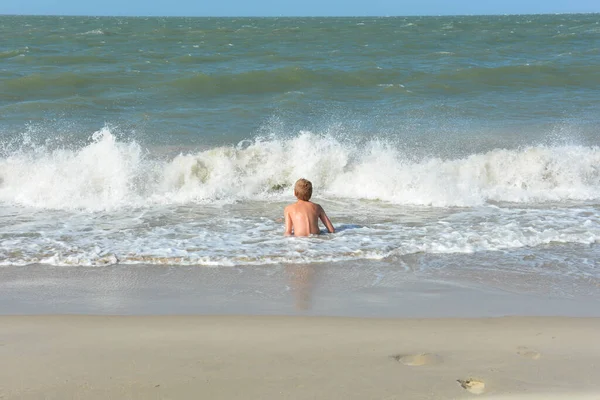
(293, 8)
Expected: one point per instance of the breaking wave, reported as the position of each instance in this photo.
(108, 173)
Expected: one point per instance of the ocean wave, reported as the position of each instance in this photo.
(108, 173)
(286, 79)
(62, 84)
(283, 79)
(13, 53)
(79, 59)
(524, 75)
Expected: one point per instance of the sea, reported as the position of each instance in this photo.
(450, 149)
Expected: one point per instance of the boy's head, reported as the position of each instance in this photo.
(303, 189)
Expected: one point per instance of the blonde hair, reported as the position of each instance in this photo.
(303, 189)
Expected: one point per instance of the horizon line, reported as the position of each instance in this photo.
(299, 16)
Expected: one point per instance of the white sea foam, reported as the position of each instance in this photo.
(93, 32)
(108, 174)
(101, 175)
(235, 235)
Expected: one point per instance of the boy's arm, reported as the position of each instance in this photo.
(325, 219)
(288, 222)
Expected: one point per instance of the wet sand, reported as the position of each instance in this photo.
(343, 290)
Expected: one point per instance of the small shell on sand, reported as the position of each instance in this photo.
(474, 386)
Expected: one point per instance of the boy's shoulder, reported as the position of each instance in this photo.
(303, 205)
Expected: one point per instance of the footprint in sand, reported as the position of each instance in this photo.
(528, 353)
(417, 360)
(471, 385)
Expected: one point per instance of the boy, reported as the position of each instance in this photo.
(302, 217)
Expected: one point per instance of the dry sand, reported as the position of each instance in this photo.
(229, 357)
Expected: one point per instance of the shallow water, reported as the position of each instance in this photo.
(446, 146)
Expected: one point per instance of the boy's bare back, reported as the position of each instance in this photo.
(302, 217)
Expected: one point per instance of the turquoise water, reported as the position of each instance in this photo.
(211, 81)
(438, 144)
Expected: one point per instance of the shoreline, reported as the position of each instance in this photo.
(339, 290)
(230, 357)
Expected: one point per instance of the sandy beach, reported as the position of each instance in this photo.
(268, 357)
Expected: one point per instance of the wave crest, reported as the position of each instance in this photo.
(108, 173)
